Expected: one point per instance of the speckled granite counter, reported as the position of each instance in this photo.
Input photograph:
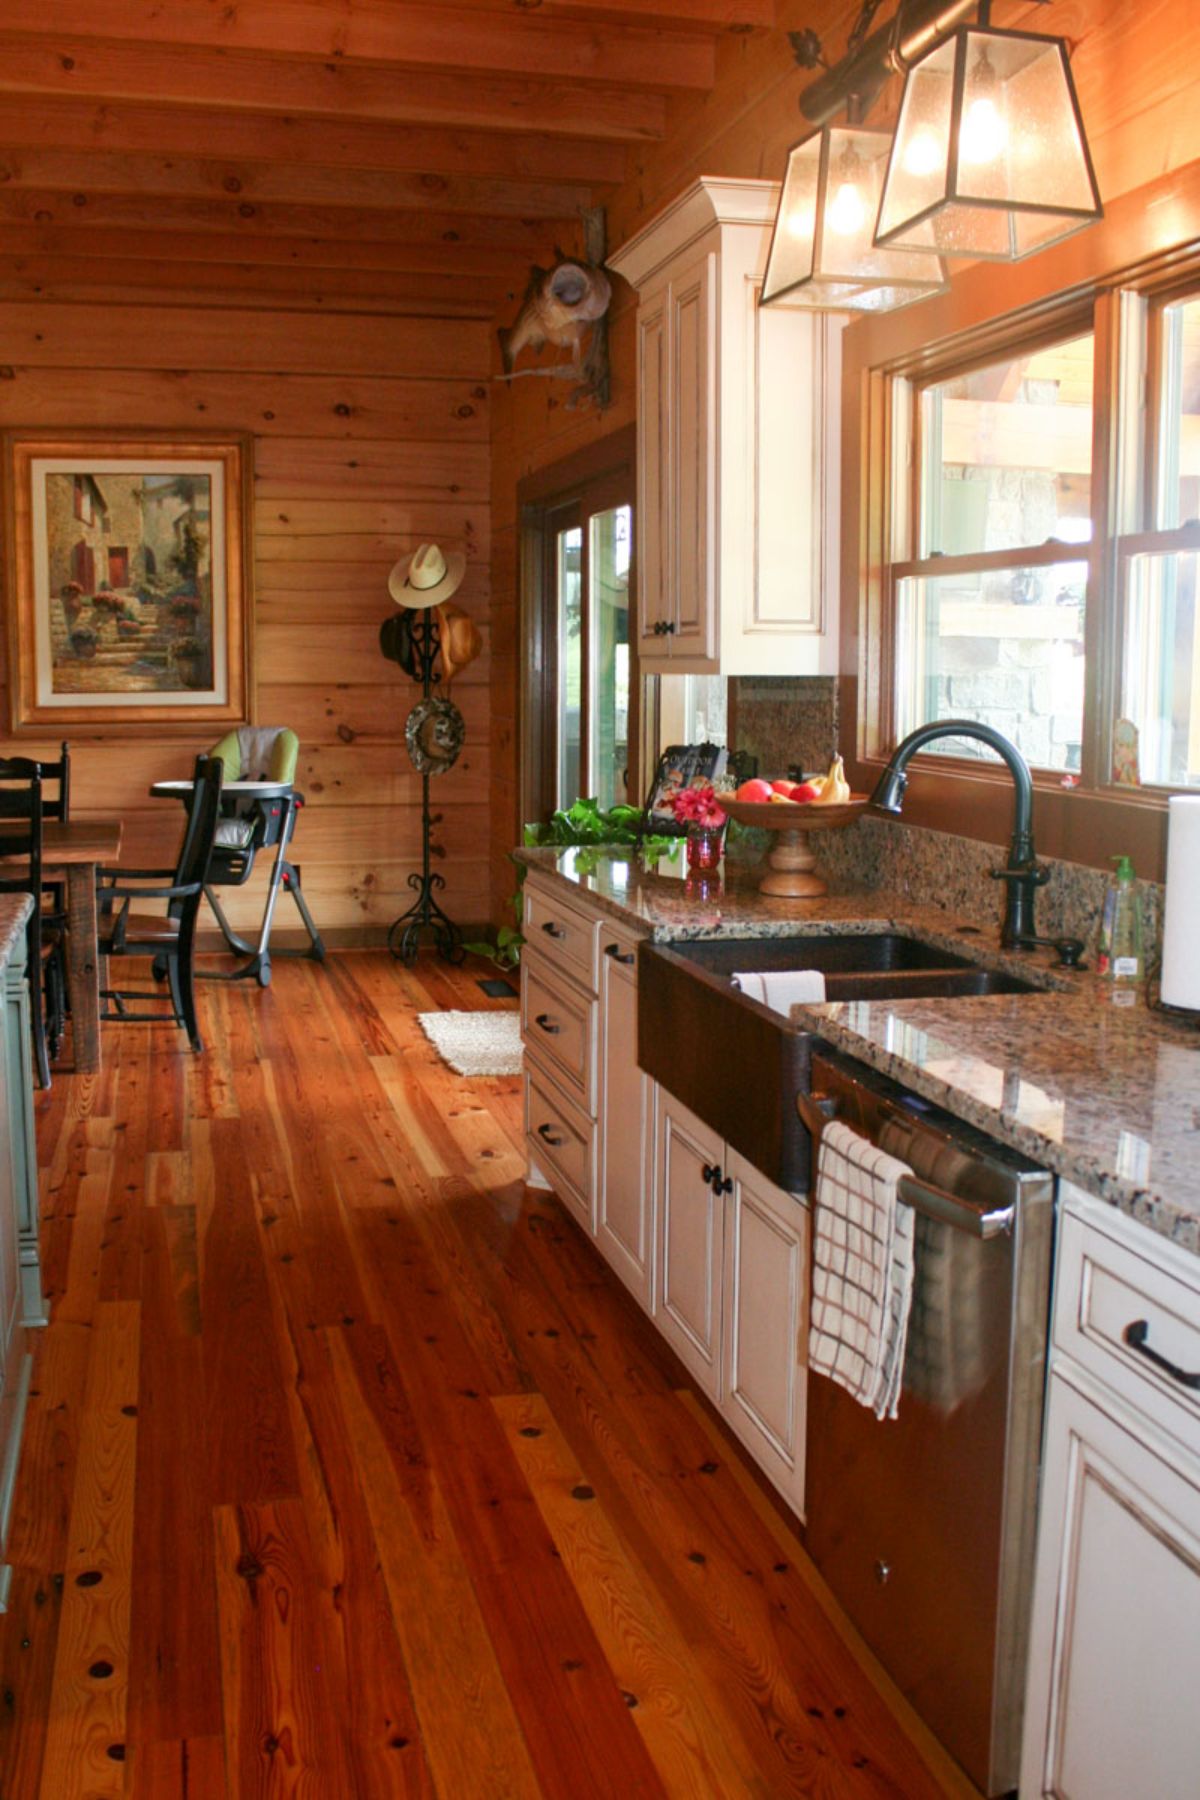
(14, 910)
(1088, 1082)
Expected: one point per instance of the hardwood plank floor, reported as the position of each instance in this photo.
(352, 1471)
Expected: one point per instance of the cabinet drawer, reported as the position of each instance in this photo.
(564, 934)
(1124, 1300)
(563, 1144)
(558, 1024)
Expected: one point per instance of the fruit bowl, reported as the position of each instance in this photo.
(791, 861)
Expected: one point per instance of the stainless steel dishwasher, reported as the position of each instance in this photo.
(924, 1525)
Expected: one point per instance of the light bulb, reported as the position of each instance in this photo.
(922, 155)
(847, 212)
(799, 223)
(984, 133)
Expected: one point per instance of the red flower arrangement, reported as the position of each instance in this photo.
(697, 806)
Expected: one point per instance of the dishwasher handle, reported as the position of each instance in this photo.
(948, 1209)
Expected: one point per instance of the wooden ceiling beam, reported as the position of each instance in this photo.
(171, 243)
(378, 31)
(217, 78)
(145, 211)
(176, 177)
(69, 124)
(169, 283)
(699, 15)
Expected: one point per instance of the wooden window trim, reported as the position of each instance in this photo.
(1149, 241)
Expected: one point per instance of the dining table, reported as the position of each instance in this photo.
(72, 851)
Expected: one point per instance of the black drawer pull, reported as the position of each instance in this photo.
(614, 950)
(1135, 1336)
(544, 1131)
(553, 930)
(543, 1019)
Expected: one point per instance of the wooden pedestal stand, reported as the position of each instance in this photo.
(791, 861)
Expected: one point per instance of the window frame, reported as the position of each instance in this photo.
(563, 495)
(909, 560)
(1113, 280)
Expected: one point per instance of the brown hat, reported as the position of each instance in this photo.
(426, 576)
(460, 639)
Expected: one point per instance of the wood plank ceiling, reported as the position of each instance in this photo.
(325, 153)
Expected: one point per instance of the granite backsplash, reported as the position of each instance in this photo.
(934, 868)
(785, 721)
(788, 722)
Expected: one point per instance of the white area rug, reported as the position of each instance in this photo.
(476, 1043)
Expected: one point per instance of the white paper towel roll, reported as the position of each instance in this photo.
(1181, 929)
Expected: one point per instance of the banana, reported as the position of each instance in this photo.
(835, 789)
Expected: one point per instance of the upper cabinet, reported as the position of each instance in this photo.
(738, 451)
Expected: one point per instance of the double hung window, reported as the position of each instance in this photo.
(990, 606)
(1042, 551)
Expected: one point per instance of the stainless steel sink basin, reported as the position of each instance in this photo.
(739, 1065)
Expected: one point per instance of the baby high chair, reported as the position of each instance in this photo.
(258, 812)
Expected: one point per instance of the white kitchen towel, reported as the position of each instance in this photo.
(862, 1269)
(781, 989)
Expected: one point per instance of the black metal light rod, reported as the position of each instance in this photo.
(861, 74)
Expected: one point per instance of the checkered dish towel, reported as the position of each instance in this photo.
(862, 1269)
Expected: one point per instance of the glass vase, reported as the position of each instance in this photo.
(704, 846)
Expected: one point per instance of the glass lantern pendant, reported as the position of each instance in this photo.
(990, 157)
(821, 253)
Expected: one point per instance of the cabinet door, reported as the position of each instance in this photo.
(624, 1216)
(1115, 1663)
(690, 1239)
(653, 523)
(692, 616)
(766, 1324)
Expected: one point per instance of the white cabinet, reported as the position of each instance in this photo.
(1115, 1654)
(732, 1289)
(766, 1324)
(588, 1107)
(738, 449)
(691, 1239)
(712, 1249)
(624, 1222)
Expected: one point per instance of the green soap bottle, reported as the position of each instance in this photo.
(1121, 926)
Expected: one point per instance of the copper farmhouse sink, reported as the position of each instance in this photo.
(737, 1064)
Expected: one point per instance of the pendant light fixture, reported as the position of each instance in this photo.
(990, 158)
(822, 255)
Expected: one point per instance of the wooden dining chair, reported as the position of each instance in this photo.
(169, 937)
(21, 835)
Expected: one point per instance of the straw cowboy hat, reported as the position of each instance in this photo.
(459, 639)
(426, 577)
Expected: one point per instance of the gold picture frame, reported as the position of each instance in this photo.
(127, 580)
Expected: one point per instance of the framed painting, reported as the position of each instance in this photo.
(127, 565)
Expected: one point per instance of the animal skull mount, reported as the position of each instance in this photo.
(564, 305)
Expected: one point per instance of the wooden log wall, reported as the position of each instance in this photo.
(370, 435)
(1133, 63)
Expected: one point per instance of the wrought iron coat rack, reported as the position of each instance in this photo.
(404, 938)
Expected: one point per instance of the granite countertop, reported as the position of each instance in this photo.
(1086, 1080)
(14, 910)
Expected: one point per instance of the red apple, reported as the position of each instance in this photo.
(784, 788)
(804, 790)
(755, 790)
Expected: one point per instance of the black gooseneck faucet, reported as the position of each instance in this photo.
(1023, 874)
